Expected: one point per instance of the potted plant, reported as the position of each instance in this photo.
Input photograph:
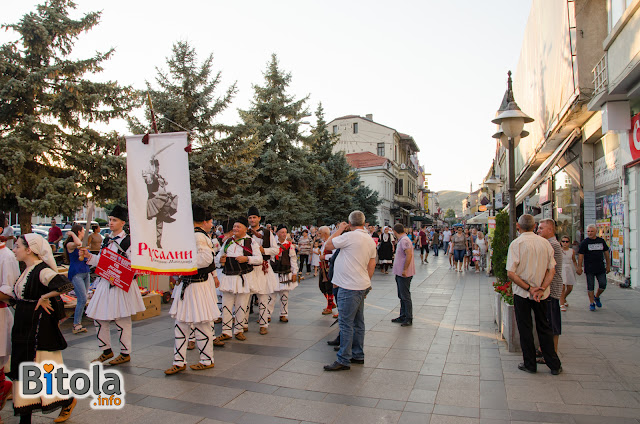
(504, 313)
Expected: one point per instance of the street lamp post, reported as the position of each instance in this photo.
(511, 120)
(493, 183)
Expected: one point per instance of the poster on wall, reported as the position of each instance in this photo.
(617, 242)
(603, 227)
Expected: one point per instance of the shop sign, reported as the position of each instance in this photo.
(498, 200)
(545, 192)
(606, 168)
(634, 137)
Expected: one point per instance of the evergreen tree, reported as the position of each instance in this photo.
(221, 163)
(51, 157)
(285, 175)
(339, 189)
(500, 246)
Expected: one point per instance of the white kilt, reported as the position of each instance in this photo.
(264, 283)
(6, 324)
(237, 283)
(200, 303)
(286, 286)
(109, 303)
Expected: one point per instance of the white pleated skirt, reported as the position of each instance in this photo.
(286, 286)
(264, 283)
(6, 324)
(200, 303)
(237, 283)
(109, 303)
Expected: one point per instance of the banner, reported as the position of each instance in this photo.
(162, 237)
(115, 268)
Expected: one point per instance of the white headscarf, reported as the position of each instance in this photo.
(42, 249)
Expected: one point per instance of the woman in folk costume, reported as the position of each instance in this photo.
(161, 204)
(9, 273)
(324, 283)
(265, 282)
(195, 303)
(237, 257)
(110, 303)
(285, 266)
(36, 336)
(385, 250)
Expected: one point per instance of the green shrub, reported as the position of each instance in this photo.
(500, 246)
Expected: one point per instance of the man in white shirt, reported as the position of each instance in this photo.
(531, 267)
(353, 269)
(446, 238)
(8, 233)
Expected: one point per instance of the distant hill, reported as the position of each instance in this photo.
(450, 199)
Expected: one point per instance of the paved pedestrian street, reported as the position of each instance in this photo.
(449, 367)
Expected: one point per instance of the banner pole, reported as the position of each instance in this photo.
(153, 115)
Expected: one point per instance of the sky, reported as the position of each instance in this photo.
(430, 68)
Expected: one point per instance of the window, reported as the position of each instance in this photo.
(399, 186)
(380, 149)
(355, 128)
(335, 129)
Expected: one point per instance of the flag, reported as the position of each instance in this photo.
(162, 236)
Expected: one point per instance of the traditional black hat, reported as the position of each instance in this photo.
(242, 220)
(253, 211)
(281, 226)
(227, 225)
(120, 212)
(200, 214)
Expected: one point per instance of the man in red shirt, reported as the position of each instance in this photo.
(55, 234)
(424, 245)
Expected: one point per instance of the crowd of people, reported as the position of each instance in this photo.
(244, 262)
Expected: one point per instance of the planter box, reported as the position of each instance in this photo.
(497, 310)
(509, 328)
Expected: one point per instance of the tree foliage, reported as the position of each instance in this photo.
(286, 177)
(500, 246)
(52, 157)
(450, 213)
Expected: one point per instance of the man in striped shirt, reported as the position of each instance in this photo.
(547, 229)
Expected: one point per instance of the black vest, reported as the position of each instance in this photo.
(123, 246)
(232, 266)
(283, 264)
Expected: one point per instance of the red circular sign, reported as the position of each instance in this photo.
(634, 137)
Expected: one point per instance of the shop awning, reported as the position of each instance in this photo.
(541, 173)
(483, 218)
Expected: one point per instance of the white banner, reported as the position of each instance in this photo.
(162, 237)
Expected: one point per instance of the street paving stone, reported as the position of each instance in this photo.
(451, 366)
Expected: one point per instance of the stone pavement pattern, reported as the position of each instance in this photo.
(450, 367)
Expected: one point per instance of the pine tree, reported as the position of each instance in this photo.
(339, 190)
(285, 175)
(52, 158)
(221, 163)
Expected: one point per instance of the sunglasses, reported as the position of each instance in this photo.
(565, 241)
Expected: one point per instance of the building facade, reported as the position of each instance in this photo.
(357, 134)
(579, 78)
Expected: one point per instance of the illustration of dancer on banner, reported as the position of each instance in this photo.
(161, 204)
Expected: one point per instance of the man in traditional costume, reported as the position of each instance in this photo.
(36, 335)
(195, 304)
(265, 281)
(110, 303)
(9, 273)
(237, 257)
(285, 266)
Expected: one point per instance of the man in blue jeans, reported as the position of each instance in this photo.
(353, 269)
(594, 252)
(404, 270)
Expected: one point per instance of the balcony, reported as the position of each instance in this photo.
(600, 79)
